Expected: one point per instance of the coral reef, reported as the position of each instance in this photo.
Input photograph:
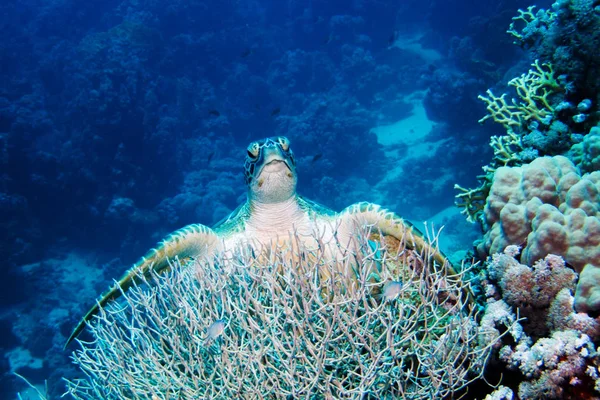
(557, 99)
(553, 348)
(533, 89)
(530, 126)
(127, 116)
(568, 37)
(549, 208)
(542, 209)
(274, 323)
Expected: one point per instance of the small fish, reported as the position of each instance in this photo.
(246, 53)
(214, 112)
(215, 330)
(391, 290)
(275, 111)
(210, 156)
(317, 157)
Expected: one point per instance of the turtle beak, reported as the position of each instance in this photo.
(279, 161)
(272, 156)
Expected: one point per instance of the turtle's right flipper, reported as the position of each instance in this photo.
(191, 241)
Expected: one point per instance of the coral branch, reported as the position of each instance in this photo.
(297, 326)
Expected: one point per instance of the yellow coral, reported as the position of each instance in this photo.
(506, 148)
(472, 201)
(528, 17)
(500, 111)
(533, 90)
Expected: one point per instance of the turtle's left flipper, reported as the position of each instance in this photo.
(194, 240)
(391, 224)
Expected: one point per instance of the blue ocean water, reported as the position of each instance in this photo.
(123, 120)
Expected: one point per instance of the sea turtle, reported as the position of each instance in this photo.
(272, 214)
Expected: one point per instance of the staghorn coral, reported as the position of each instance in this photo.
(296, 326)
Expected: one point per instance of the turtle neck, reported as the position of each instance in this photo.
(268, 220)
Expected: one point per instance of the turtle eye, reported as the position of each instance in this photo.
(284, 142)
(253, 150)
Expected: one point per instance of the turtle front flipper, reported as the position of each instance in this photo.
(391, 224)
(191, 241)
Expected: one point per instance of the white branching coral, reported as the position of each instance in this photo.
(552, 364)
(553, 349)
(291, 324)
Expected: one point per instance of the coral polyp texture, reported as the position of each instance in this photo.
(549, 208)
(586, 154)
(553, 347)
(383, 322)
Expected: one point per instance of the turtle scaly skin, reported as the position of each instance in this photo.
(272, 215)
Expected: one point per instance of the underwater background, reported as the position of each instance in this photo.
(124, 120)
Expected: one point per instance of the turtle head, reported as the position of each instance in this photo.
(270, 170)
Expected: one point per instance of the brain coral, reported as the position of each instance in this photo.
(548, 208)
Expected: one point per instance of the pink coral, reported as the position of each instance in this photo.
(552, 364)
(531, 289)
(547, 207)
(561, 316)
(562, 360)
